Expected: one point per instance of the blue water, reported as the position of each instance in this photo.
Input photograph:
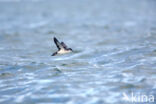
(114, 43)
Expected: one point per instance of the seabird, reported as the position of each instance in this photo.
(62, 48)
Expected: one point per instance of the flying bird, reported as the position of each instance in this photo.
(62, 48)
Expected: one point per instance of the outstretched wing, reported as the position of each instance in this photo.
(64, 45)
(58, 44)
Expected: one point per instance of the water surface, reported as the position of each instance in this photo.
(114, 43)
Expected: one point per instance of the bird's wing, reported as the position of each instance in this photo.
(58, 44)
(64, 45)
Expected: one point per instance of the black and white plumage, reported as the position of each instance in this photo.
(62, 48)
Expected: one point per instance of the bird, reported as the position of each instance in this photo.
(62, 48)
